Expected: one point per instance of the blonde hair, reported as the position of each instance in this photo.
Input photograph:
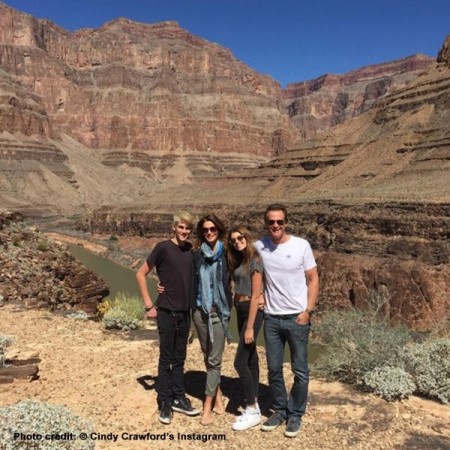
(183, 216)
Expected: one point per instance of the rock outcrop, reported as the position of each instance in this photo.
(37, 273)
(318, 104)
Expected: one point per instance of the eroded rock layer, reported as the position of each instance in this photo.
(135, 86)
(321, 103)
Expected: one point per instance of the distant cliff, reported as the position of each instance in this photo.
(326, 101)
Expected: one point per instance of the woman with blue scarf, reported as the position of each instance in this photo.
(211, 306)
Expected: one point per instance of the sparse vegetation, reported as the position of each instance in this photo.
(31, 418)
(363, 348)
(125, 313)
(5, 341)
(429, 364)
(391, 383)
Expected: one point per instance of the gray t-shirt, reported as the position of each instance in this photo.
(243, 278)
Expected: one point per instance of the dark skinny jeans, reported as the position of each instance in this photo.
(173, 329)
(246, 361)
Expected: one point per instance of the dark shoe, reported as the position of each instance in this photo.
(183, 405)
(274, 421)
(293, 427)
(165, 413)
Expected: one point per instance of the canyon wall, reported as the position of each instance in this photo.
(135, 86)
(324, 102)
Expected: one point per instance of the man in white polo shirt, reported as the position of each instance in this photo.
(291, 290)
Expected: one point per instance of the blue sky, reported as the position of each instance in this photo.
(290, 40)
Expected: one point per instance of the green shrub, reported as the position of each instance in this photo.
(5, 341)
(429, 364)
(42, 419)
(390, 383)
(357, 342)
(43, 246)
(125, 313)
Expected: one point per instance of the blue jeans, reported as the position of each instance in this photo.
(277, 331)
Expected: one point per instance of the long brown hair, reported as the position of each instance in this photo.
(234, 257)
(220, 227)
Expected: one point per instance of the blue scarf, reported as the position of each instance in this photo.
(211, 290)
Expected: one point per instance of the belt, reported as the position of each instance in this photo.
(283, 316)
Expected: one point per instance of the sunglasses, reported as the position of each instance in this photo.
(278, 222)
(238, 239)
(210, 229)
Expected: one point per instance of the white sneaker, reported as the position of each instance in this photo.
(249, 418)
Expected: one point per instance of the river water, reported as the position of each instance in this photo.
(122, 279)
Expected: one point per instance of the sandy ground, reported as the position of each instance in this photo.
(108, 377)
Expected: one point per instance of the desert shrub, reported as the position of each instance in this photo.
(42, 420)
(429, 365)
(5, 341)
(390, 383)
(357, 342)
(113, 237)
(103, 307)
(125, 313)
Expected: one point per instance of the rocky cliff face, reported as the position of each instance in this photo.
(170, 121)
(321, 103)
(133, 86)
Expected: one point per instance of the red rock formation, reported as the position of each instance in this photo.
(134, 86)
(321, 103)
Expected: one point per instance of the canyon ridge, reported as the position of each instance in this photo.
(113, 129)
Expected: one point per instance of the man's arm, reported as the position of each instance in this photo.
(141, 278)
(312, 281)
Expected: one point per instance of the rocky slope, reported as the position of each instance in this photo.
(35, 272)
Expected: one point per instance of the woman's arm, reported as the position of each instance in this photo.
(256, 292)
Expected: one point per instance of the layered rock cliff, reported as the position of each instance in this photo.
(134, 86)
(318, 104)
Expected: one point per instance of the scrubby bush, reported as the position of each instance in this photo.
(5, 341)
(363, 348)
(390, 383)
(356, 342)
(125, 313)
(429, 364)
(42, 420)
